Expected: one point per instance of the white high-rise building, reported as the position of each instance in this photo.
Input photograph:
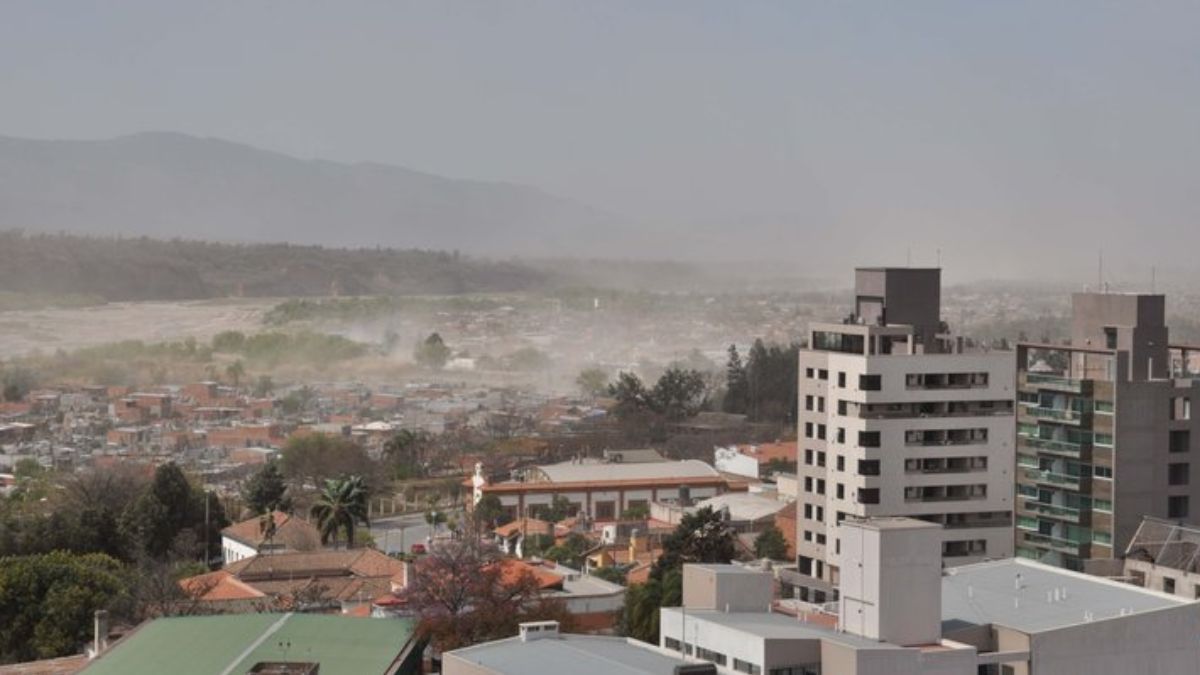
(898, 418)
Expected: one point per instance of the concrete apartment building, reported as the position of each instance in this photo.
(900, 612)
(1104, 432)
(898, 418)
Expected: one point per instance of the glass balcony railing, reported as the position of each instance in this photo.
(1071, 546)
(1051, 511)
(1054, 414)
(1052, 478)
(1064, 448)
(1054, 381)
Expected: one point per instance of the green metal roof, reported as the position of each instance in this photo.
(232, 644)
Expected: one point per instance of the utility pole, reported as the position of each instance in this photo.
(207, 556)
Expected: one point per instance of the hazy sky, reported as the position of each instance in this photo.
(926, 124)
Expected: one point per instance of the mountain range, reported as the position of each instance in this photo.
(170, 185)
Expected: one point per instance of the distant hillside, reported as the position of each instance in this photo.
(172, 185)
(150, 269)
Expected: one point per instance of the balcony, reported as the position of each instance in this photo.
(1060, 480)
(1068, 546)
(1055, 382)
(1054, 414)
(1052, 447)
(1064, 513)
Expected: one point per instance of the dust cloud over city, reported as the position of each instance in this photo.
(308, 310)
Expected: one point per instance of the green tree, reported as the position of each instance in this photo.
(47, 602)
(612, 574)
(638, 512)
(678, 394)
(560, 509)
(264, 386)
(770, 543)
(311, 459)
(640, 617)
(592, 382)
(570, 552)
(235, 371)
(171, 516)
(701, 537)
(737, 389)
(489, 512)
(266, 490)
(341, 506)
(405, 453)
(631, 395)
(229, 341)
(432, 352)
(16, 383)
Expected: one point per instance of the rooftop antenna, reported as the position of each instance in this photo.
(1100, 273)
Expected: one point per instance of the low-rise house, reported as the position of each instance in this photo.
(245, 436)
(1164, 556)
(276, 532)
(313, 580)
(603, 491)
(755, 461)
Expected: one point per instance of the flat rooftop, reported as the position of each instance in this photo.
(989, 592)
(774, 626)
(205, 645)
(573, 472)
(567, 653)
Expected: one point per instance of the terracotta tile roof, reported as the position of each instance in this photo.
(526, 525)
(512, 569)
(339, 575)
(366, 562)
(291, 532)
(218, 586)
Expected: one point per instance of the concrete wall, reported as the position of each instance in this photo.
(1163, 641)
(892, 581)
(708, 588)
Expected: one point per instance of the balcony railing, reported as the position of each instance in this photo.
(1070, 546)
(1052, 478)
(1050, 510)
(1054, 414)
(1054, 381)
(1063, 448)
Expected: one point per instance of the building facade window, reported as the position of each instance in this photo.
(1177, 506)
(1178, 473)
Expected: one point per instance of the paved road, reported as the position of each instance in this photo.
(398, 533)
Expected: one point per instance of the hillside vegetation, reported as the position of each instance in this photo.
(117, 269)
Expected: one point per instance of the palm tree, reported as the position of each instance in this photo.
(341, 506)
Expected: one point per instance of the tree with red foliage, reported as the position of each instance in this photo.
(463, 596)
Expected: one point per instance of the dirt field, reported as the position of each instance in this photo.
(24, 332)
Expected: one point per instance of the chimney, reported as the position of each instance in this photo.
(100, 633)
